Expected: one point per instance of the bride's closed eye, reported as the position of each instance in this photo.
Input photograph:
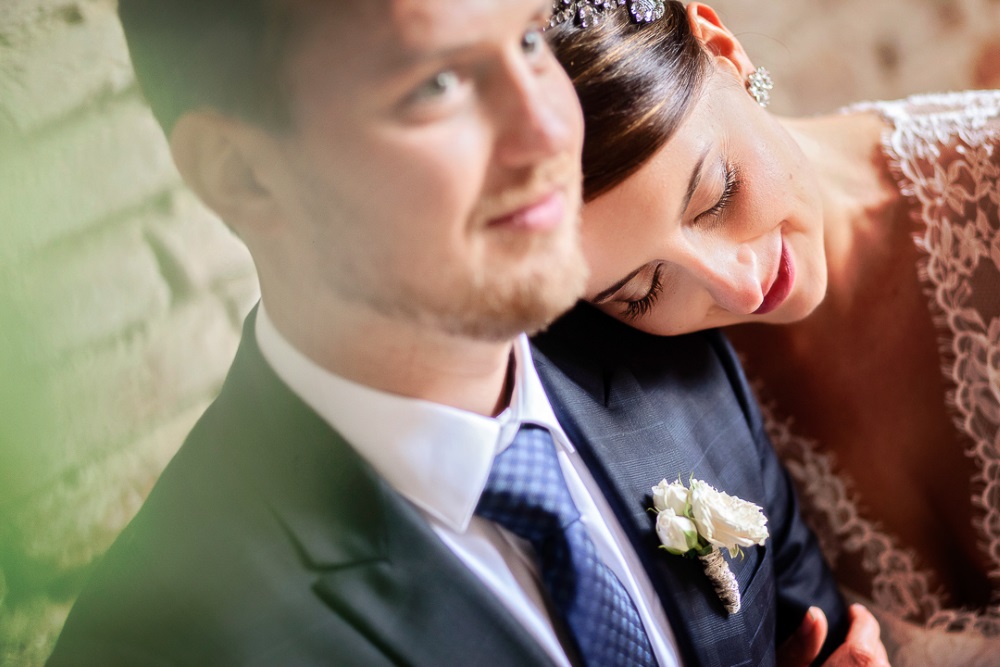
(634, 309)
(733, 182)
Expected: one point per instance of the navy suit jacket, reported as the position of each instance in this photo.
(268, 541)
(642, 408)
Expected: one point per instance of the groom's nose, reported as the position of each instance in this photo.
(537, 117)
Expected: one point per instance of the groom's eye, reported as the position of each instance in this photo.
(436, 87)
(440, 94)
(532, 42)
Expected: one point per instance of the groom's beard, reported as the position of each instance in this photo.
(524, 282)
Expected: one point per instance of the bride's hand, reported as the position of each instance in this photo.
(861, 648)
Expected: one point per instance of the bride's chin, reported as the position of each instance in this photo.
(801, 304)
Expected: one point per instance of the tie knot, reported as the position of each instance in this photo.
(526, 492)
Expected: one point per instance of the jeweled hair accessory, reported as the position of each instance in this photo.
(586, 13)
(759, 85)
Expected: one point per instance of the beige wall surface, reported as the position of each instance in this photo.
(121, 300)
(824, 54)
(121, 297)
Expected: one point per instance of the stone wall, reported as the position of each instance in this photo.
(121, 296)
(120, 304)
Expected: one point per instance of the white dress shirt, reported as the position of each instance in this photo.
(439, 458)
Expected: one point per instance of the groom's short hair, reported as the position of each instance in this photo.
(225, 55)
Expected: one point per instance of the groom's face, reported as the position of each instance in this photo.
(433, 166)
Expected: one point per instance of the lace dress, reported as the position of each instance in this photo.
(945, 153)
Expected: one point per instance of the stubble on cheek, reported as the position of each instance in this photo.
(518, 280)
(531, 298)
(412, 254)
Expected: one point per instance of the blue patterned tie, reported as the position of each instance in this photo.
(527, 495)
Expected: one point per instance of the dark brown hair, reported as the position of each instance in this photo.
(220, 54)
(636, 83)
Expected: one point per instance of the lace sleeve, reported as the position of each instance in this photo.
(945, 150)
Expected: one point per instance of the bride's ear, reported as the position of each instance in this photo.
(718, 40)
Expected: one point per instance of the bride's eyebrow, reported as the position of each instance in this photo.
(606, 294)
(693, 183)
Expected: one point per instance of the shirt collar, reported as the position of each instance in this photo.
(436, 456)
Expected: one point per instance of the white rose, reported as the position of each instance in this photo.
(677, 533)
(724, 520)
(674, 496)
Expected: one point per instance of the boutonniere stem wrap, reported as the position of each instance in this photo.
(698, 521)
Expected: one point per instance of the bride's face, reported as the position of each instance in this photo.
(723, 225)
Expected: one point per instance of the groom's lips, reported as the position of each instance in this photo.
(541, 214)
(782, 285)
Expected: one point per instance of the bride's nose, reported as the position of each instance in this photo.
(731, 274)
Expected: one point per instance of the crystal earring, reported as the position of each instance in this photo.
(759, 85)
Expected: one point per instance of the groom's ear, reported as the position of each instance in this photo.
(229, 164)
(717, 39)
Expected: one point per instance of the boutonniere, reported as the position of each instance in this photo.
(699, 521)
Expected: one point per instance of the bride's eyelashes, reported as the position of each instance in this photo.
(639, 307)
(634, 309)
(729, 191)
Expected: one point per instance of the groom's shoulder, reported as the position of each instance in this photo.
(586, 342)
(210, 556)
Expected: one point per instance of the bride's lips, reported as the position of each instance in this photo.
(782, 285)
(543, 214)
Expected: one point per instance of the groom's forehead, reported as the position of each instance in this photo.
(398, 30)
(424, 24)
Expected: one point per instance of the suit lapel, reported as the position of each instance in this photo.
(377, 563)
(635, 424)
(422, 605)
(605, 447)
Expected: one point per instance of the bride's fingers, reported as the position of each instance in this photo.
(801, 648)
(863, 646)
